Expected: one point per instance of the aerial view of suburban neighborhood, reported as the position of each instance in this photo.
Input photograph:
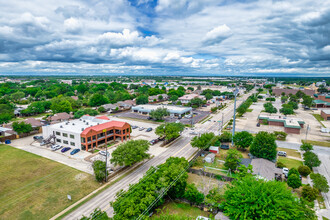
(164, 110)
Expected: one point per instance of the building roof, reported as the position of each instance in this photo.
(289, 122)
(190, 96)
(210, 155)
(264, 168)
(326, 111)
(103, 126)
(318, 101)
(33, 122)
(173, 109)
(246, 161)
(60, 116)
(103, 117)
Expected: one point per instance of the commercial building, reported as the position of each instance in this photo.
(321, 100)
(174, 110)
(87, 132)
(325, 114)
(291, 125)
(187, 98)
(307, 91)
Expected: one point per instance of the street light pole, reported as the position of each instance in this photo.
(106, 156)
(235, 94)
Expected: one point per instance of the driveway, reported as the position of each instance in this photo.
(76, 161)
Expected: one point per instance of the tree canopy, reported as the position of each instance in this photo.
(320, 182)
(130, 152)
(159, 113)
(204, 141)
(264, 146)
(22, 127)
(311, 159)
(243, 139)
(232, 159)
(99, 170)
(169, 130)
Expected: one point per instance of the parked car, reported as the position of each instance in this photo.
(104, 153)
(43, 143)
(65, 149)
(149, 118)
(153, 141)
(203, 105)
(285, 170)
(141, 128)
(75, 151)
(134, 127)
(179, 117)
(224, 146)
(56, 147)
(193, 133)
(37, 137)
(149, 129)
(258, 124)
(281, 153)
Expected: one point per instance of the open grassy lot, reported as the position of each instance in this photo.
(319, 118)
(290, 152)
(319, 143)
(179, 209)
(290, 163)
(33, 187)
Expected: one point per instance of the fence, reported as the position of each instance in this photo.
(212, 175)
(9, 137)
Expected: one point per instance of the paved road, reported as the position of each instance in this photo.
(181, 148)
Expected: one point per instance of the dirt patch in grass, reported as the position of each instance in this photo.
(33, 187)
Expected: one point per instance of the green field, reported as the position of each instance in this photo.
(290, 163)
(33, 187)
(318, 143)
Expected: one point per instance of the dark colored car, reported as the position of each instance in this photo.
(149, 129)
(65, 149)
(134, 127)
(75, 151)
(149, 118)
(37, 137)
(154, 141)
(224, 146)
(258, 124)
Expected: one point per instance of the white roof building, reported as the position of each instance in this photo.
(174, 110)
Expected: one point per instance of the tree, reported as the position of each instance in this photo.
(208, 96)
(232, 159)
(204, 141)
(17, 96)
(294, 105)
(280, 135)
(169, 130)
(309, 193)
(243, 139)
(300, 94)
(270, 108)
(160, 97)
(307, 101)
(284, 99)
(287, 110)
(264, 146)
(304, 170)
(193, 195)
(159, 113)
(294, 181)
(142, 99)
(196, 102)
(190, 88)
(214, 198)
(97, 99)
(130, 152)
(173, 98)
(322, 89)
(293, 171)
(101, 109)
(86, 111)
(249, 198)
(98, 214)
(320, 182)
(306, 147)
(225, 137)
(311, 159)
(244, 171)
(60, 104)
(22, 127)
(99, 170)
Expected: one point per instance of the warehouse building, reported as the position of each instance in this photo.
(291, 125)
(325, 114)
(87, 132)
(174, 110)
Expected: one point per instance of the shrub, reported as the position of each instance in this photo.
(279, 164)
(311, 160)
(294, 181)
(193, 195)
(293, 171)
(320, 182)
(280, 135)
(309, 193)
(306, 147)
(304, 170)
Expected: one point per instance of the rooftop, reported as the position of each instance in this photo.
(326, 111)
(170, 108)
(264, 168)
(288, 121)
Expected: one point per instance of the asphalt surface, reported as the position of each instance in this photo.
(180, 148)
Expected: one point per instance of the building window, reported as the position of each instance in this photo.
(58, 140)
(72, 136)
(89, 139)
(94, 137)
(65, 134)
(123, 131)
(72, 143)
(65, 142)
(127, 130)
(83, 140)
(58, 133)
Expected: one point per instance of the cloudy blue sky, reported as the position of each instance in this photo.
(166, 37)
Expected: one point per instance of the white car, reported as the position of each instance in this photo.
(56, 147)
(141, 128)
(104, 153)
(285, 170)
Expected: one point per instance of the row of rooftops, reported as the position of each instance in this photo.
(288, 122)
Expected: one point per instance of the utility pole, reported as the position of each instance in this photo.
(106, 156)
(235, 94)
(306, 132)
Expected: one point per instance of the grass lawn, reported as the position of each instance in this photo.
(265, 91)
(319, 143)
(179, 209)
(290, 163)
(33, 187)
(319, 118)
(249, 110)
(290, 152)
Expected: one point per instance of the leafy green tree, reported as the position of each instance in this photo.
(294, 105)
(204, 141)
(208, 96)
(309, 193)
(294, 181)
(169, 130)
(264, 146)
(214, 198)
(293, 171)
(243, 139)
(311, 159)
(142, 99)
(99, 170)
(160, 97)
(287, 110)
(5, 117)
(86, 111)
(98, 99)
(306, 147)
(307, 101)
(320, 182)
(17, 96)
(98, 214)
(193, 195)
(159, 113)
(232, 159)
(284, 99)
(225, 137)
(22, 127)
(60, 104)
(304, 170)
(244, 171)
(196, 102)
(173, 98)
(269, 108)
(101, 109)
(131, 152)
(250, 198)
(130, 204)
(190, 88)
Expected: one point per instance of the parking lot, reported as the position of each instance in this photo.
(197, 116)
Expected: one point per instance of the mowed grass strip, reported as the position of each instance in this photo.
(33, 187)
(290, 163)
(290, 152)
